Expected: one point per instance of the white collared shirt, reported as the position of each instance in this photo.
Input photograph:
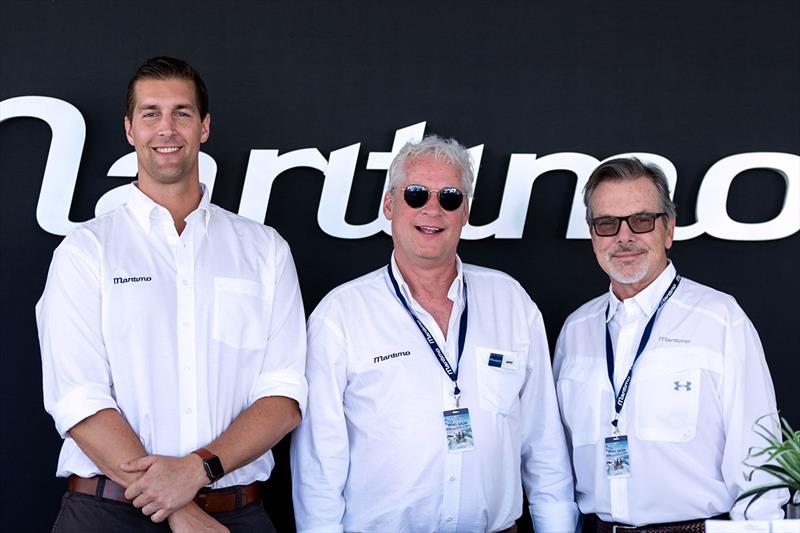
(698, 387)
(179, 333)
(371, 454)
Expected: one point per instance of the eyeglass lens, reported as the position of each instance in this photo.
(638, 223)
(416, 196)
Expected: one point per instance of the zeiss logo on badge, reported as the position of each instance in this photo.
(134, 279)
(496, 360)
(499, 360)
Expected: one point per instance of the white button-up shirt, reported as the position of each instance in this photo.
(179, 333)
(371, 454)
(698, 387)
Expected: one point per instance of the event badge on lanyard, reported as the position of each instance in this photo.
(456, 421)
(618, 459)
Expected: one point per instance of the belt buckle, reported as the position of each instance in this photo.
(615, 528)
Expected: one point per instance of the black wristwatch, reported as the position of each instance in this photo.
(211, 463)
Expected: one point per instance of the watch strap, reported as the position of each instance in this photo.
(204, 454)
(211, 464)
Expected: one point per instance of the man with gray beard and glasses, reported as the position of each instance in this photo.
(659, 380)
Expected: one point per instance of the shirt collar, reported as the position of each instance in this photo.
(455, 293)
(648, 298)
(144, 209)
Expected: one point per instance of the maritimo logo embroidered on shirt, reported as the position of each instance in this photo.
(118, 281)
(674, 340)
(380, 358)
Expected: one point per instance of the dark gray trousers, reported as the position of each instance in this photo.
(82, 513)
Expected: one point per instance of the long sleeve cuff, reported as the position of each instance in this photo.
(767, 507)
(333, 528)
(554, 517)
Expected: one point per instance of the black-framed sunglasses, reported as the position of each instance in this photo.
(637, 222)
(417, 196)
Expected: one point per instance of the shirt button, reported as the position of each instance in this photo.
(188, 410)
(449, 518)
(186, 324)
(185, 283)
(452, 478)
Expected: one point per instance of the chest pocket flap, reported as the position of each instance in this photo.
(668, 384)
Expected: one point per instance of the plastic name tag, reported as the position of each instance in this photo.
(618, 460)
(459, 431)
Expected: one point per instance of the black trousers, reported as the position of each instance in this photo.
(82, 513)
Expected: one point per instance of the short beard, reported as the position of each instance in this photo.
(620, 276)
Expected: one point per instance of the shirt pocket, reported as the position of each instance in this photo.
(501, 374)
(241, 313)
(667, 396)
(580, 397)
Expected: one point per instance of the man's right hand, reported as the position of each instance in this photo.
(167, 483)
(191, 519)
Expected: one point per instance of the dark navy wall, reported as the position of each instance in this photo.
(693, 83)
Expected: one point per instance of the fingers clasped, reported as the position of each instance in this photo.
(166, 485)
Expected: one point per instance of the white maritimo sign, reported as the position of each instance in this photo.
(264, 166)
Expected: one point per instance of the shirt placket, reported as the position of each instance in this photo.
(624, 350)
(451, 497)
(187, 352)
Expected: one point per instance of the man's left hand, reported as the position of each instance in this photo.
(167, 485)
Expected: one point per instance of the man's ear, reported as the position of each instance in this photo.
(388, 204)
(128, 130)
(205, 128)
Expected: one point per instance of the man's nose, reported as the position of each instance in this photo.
(625, 233)
(432, 206)
(167, 125)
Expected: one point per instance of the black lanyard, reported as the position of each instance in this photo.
(648, 329)
(462, 335)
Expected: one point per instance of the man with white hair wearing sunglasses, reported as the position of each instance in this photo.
(661, 378)
(431, 395)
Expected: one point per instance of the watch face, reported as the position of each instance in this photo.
(213, 467)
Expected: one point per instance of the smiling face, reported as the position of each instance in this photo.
(631, 260)
(426, 237)
(166, 130)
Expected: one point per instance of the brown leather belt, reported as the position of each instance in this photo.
(209, 500)
(512, 529)
(689, 526)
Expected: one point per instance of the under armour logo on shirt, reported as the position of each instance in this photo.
(687, 385)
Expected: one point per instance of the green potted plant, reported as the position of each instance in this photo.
(780, 458)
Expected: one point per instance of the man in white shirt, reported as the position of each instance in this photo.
(430, 395)
(662, 447)
(173, 339)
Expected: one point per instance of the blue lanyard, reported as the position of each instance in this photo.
(462, 335)
(648, 329)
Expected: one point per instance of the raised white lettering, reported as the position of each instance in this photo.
(63, 158)
(264, 166)
(712, 198)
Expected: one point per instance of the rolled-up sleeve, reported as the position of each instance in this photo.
(283, 367)
(76, 377)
